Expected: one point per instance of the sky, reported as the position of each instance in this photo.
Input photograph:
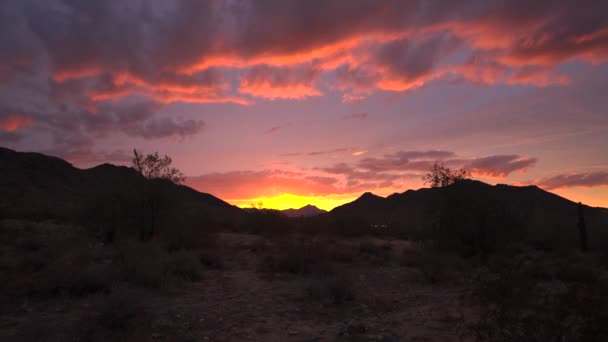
(284, 103)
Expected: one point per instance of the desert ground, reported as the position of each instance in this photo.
(63, 284)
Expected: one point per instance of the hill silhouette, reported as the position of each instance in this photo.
(35, 185)
(528, 205)
(305, 211)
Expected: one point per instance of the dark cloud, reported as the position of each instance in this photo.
(358, 180)
(500, 165)
(166, 127)
(317, 153)
(275, 129)
(589, 179)
(404, 161)
(358, 116)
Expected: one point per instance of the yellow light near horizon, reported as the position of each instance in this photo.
(291, 201)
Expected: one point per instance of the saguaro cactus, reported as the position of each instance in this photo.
(582, 228)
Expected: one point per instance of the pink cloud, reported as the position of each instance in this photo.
(11, 122)
(589, 179)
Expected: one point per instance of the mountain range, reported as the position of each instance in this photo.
(34, 185)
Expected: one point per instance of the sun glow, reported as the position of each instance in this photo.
(288, 201)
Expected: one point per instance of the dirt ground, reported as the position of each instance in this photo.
(249, 288)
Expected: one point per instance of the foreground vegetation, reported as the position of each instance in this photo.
(193, 282)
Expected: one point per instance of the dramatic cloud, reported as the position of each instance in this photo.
(273, 83)
(492, 166)
(79, 78)
(404, 161)
(165, 127)
(180, 50)
(499, 166)
(589, 179)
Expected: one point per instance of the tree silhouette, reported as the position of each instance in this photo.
(439, 175)
(157, 169)
(152, 166)
(582, 228)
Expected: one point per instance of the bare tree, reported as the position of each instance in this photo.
(152, 166)
(440, 175)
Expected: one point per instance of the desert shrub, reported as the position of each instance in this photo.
(72, 273)
(340, 252)
(35, 327)
(93, 279)
(257, 246)
(435, 268)
(119, 316)
(142, 263)
(577, 272)
(517, 307)
(266, 222)
(183, 265)
(211, 260)
(296, 257)
(348, 227)
(330, 289)
(378, 253)
(183, 233)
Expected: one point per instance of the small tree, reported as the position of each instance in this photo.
(152, 166)
(439, 175)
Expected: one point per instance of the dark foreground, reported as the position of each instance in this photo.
(62, 284)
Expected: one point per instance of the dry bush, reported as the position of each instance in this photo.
(183, 265)
(297, 257)
(211, 260)
(335, 289)
(142, 263)
(185, 233)
(436, 268)
(73, 274)
(36, 327)
(119, 316)
(515, 306)
(148, 265)
(375, 252)
(257, 246)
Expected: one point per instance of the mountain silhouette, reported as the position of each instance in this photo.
(530, 205)
(306, 211)
(35, 185)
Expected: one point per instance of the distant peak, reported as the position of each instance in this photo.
(307, 210)
(309, 206)
(368, 196)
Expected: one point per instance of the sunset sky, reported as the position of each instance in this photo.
(296, 102)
